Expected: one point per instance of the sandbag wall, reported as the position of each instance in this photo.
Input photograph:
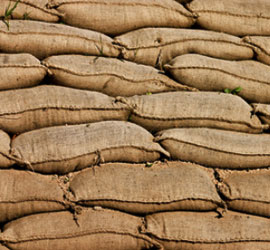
(134, 124)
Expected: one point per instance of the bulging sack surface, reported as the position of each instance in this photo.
(44, 106)
(217, 148)
(2, 247)
(157, 46)
(237, 17)
(108, 75)
(193, 109)
(5, 161)
(64, 149)
(114, 17)
(43, 39)
(210, 74)
(263, 111)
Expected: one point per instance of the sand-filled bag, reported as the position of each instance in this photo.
(43, 39)
(210, 74)
(237, 17)
(262, 111)
(193, 109)
(157, 46)
(5, 160)
(111, 76)
(2, 247)
(217, 148)
(114, 17)
(64, 149)
(44, 106)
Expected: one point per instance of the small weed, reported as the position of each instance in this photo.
(234, 91)
(148, 93)
(8, 13)
(66, 180)
(149, 164)
(129, 117)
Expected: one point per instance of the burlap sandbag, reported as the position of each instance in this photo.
(43, 39)
(44, 106)
(2, 247)
(193, 109)
(207, 231)
(157, 46)
(5, 161)
(217, 148)
(92, 229)
(114, 17)
(262, 111)
(237, 17)
(64, 149)
(30, 9)
(24, 193)
(210, 74)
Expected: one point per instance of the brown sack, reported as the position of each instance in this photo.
(24, 193)
(209, 74)
(207, 231)
(193, 109)
(2, 247)
(114, 17)
(237, 17)
(263, 111)
(157, 46)
(45, 39)
(5, 161)
(44, 106)
(217, 148)
(93, 229)
(64, 149)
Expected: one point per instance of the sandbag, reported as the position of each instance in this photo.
(158, 187)
(5, 160)
(262, 111)
(237, 17)
(193, 109)
(92, 229)
(209, 231)
(157, 46)
(24, 193)
(114, 17)
(43, 39)
(209, 74)
(44, 106)
(217, 148)
(63, 149)
(111, 76)
(2, 247)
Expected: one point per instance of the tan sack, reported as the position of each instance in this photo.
(217, 148)
(209, 74)
(115, 17)
(46, 105)
(262, 111)
(5, 161)
(157, 46)
(45, 39)
(2, 247)
(237, 17)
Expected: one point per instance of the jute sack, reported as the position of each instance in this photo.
(158, 187)
(193, 109)
(30, 9)
(5, 161)
(209, 231)
(24, 193)
(2, 247)
(247, 191)
(157, 46)
(262, 111)
(114, 17)
(64, 149)
(43, 39)
(20, 70)
(93, 229)
(237, 17)
(44, 106)
(210, 74)
(217, 148)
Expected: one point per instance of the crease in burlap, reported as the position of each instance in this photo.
(262, 111)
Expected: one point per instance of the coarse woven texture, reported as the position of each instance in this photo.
(64, 149)
(111, 76)
(44, 106)
(2, 247)
(114, 17)
(43, 39)
(262, 111)
(210, 74)
(24, 193)
(20, 70)
(30, 9)
(160, 187)
(5, 161)
(180, 230)
(237, 17)
(93, 229)
(157, 46)
(247, 192)
(193, 109)
(217, 148)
